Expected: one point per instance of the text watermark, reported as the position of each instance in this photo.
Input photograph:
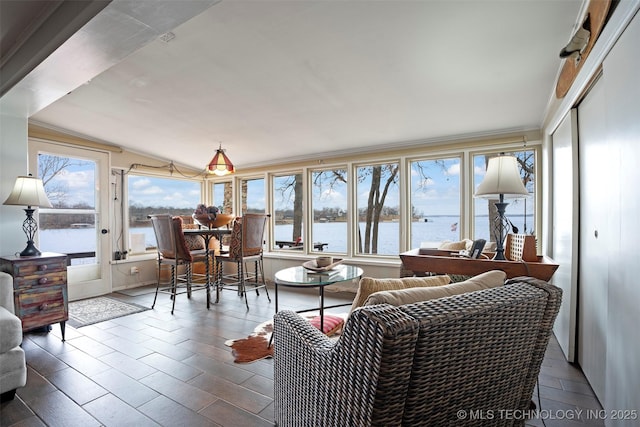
(544, 414)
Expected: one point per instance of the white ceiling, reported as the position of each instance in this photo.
(279, 80)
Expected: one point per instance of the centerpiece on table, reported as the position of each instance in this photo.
(210, 216)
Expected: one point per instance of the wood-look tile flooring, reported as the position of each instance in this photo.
(154, 368)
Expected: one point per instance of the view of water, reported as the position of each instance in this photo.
(438, 228)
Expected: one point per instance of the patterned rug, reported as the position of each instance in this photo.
(94, 310)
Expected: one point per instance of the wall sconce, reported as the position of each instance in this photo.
(28, 191)
(502, 180)
(220, 164)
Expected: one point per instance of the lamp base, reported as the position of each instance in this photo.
(501, 227)
(30, 250)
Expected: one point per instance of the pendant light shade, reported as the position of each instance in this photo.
(220, 164)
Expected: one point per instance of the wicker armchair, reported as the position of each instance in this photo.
(418, 364)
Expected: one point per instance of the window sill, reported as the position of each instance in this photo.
(136, 258)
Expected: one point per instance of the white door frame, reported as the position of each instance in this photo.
(84, 281)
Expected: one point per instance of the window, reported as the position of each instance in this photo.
(153, 195)
(520, 212)
(70, 226)
(287, 216)
(435, 200)
(253, 199)
(378, 205)
(223, 196)
(329, 206)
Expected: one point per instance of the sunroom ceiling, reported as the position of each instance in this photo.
(278, 80)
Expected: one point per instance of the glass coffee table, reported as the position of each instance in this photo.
(300, 277)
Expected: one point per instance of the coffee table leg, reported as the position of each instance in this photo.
(321, 308)
(273, 329)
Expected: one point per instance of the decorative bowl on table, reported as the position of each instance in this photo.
(213, 220)
(313, 265)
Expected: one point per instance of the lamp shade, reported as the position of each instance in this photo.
(502, 177)
(28, 191)
(220, 164)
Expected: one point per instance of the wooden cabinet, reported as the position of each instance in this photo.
(39, 288)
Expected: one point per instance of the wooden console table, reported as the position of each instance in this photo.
(39, 289)
(442, 262)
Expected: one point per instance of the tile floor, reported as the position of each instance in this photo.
(152, 368)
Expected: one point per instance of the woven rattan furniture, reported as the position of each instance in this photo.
(424, 364)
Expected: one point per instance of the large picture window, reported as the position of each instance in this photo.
(223, 196)
(520, 212)
(435, 201)
(253, 197)
(153, 195)
(288, 215)
(378, 204)
(329, 198)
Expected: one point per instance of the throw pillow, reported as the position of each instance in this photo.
(462, 245)
(193, 242)
(330, 325)
(368, 285)
(490, 279)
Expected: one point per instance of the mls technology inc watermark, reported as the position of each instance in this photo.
(569, 414)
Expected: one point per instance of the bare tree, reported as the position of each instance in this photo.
(50, 167)
(382, 177)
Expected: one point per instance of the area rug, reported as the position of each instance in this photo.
(256, 345)
(94, 310)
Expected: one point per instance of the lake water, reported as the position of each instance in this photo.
(437, 229)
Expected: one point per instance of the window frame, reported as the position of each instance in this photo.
(443, 155)
(463, 151)
(310, 211)
(354, 214)
(126, 231)
(537, 184)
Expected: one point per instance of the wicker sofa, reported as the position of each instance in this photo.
(462, 360)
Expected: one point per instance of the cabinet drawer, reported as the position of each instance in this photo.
(37, 266)
(39, 281)
(42, 306)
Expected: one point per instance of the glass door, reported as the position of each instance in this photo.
(75, 181)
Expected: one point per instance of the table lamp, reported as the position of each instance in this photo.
(28, 191)
(502, 180)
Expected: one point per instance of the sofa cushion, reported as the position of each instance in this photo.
(490, 279)
(368, 285)
(10, 330)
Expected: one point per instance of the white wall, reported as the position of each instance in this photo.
(13, 151)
